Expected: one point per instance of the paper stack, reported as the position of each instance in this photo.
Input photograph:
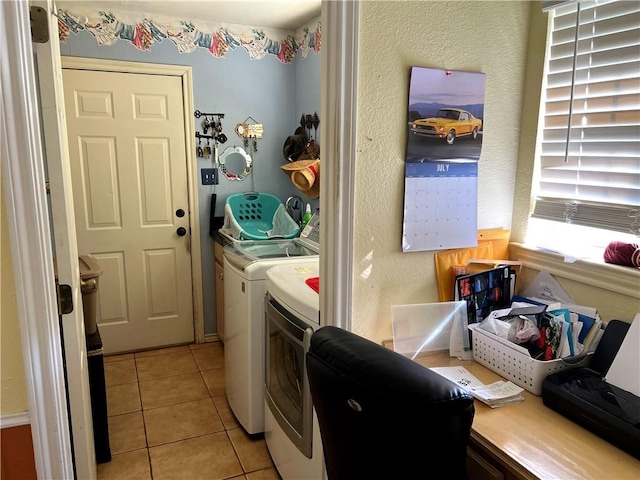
(497, 394)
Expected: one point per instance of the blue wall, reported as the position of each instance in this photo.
(308, 89)
(272, 93)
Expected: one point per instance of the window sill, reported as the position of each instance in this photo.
(616, 278)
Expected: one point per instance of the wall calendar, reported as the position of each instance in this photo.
(444, 140)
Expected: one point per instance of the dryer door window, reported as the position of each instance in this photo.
(286, 386)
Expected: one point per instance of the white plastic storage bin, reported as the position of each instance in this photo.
(500, 356)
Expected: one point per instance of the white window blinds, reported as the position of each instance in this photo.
(589, 145)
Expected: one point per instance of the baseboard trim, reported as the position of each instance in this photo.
(211, 337)
(15, 420)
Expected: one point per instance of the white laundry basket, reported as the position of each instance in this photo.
(499, 355)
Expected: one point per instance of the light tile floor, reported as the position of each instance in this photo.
(169, 419)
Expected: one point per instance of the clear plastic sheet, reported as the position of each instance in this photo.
(429, 328)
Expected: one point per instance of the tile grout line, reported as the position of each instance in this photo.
(144, 421)
(235, 450)
(224, 426)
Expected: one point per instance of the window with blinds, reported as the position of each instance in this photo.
(589, 140)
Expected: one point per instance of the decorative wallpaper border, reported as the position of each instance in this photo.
(108, 29)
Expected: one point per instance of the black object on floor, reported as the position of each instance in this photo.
(98, 392)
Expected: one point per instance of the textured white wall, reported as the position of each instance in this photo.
(489, 37)
(13, 393)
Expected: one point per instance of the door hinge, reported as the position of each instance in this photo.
(65, 299)
(39, 25)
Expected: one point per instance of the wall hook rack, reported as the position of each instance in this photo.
(218, 137)
(250, 132)
(308, 122)
(214, 123)
(200, 135)
(199, 114)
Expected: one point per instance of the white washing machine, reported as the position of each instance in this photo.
(245, 265)
(292, 314)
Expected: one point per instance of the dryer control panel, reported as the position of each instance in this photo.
(310, 236)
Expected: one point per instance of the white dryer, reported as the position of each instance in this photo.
(292, 314)
(245, 265)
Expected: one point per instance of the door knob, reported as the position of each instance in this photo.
(180, 213)
(181, 231)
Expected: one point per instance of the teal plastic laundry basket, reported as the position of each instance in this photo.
(251, 217)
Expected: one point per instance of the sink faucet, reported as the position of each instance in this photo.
(294, 208)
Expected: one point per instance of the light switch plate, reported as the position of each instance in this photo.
(209, 176)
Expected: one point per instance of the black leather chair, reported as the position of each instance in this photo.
(384, 416)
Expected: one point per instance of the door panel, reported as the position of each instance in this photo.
(127, 149)
(113, 293)
(155, 172)
(161, 276)
(100, 183)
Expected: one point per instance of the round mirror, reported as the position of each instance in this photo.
(235, 163)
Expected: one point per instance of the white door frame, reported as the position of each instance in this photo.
(23, 176)
(340, 21)
(185, 74)
(28, 222)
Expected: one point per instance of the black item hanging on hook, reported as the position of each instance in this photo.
(215, 223)
(309, 124)
(207, 150)
(199, 151)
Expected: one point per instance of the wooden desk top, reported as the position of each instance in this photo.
(537, 442)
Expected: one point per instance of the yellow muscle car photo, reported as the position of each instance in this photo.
(448, 123)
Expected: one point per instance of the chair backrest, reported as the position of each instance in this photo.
(382, 415)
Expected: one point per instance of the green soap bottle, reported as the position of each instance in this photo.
(306, 217)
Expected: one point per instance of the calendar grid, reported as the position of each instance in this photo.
(440, 206)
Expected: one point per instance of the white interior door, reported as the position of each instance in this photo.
(128, 161)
